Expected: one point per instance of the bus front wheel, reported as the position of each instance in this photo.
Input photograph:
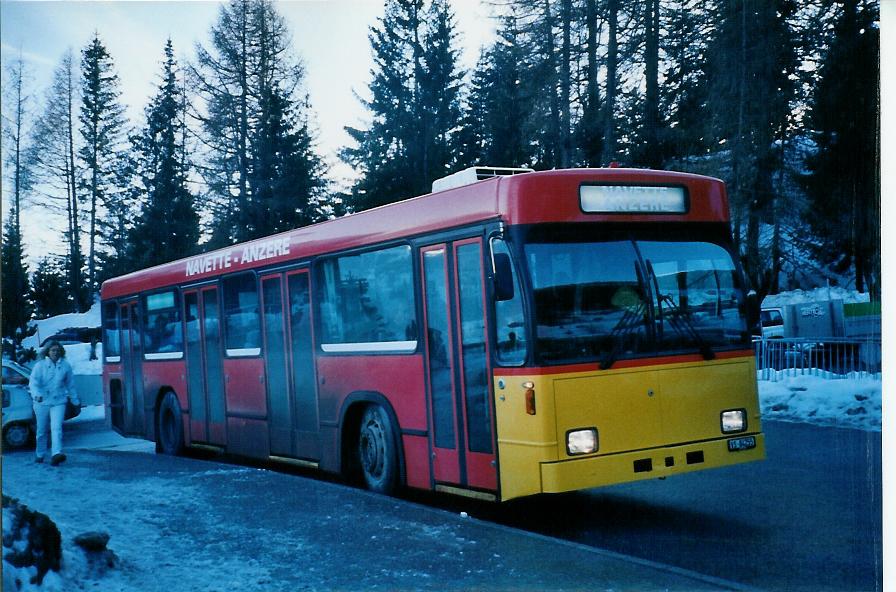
(377, 451)
(171, 427)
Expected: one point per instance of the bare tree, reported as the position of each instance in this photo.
(53, 156)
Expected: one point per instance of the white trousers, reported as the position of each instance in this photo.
(49, 424)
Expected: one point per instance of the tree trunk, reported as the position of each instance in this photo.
(592, 92)
(243, 206)
(565, 82)
(609, 153)
(75, 278)
(651, 103)
(551, 85)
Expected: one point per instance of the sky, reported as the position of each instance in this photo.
(329, 36)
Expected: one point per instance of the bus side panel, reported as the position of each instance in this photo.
(244, 385)
(159, 375)
(399, 378)
(248, 437)
(416, 460)
(245, 396)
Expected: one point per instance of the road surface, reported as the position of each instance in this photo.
(807, 518)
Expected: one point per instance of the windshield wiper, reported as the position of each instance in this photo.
(632, 320)
(678, 318)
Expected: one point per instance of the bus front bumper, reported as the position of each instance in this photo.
(597, 471)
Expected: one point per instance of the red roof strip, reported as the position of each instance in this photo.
(549, 196)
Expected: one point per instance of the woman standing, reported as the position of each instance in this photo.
(52, 383)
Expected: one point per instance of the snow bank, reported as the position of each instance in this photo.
(853, 402)
(78, 355)
(89, 413)
(52, 325)
(816, 295)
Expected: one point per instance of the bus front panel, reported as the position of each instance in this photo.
(647, 421)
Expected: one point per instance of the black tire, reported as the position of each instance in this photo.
(377, 451)
(171, 426)
(17, 435)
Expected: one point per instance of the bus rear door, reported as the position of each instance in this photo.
(205, 381)
(289, 360)
(132, 370)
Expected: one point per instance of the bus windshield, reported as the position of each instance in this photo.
(604, 300)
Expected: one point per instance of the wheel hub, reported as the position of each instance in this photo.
(373, 449)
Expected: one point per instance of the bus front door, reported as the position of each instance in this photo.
(205, 381)
(289, 365)
(132, 366)
(460, 398)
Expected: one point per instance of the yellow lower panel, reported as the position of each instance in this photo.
(598, 471)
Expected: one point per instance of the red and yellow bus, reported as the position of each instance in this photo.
(522, 334)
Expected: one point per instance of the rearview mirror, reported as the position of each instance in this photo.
(503, 277)
(752, 313)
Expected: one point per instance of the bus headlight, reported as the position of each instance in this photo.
(734, 420)
(581, 441)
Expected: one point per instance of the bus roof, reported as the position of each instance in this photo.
(548, 196)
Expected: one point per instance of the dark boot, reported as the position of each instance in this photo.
(57, 458)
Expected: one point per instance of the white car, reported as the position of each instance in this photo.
(18, 415)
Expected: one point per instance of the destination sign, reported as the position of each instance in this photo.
(632, 199)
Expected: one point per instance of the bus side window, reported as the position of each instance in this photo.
(241, 316)
(111, 334)
(510, 320)
(162, 333)
(366, 301)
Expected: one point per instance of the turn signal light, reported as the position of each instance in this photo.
(530, 401)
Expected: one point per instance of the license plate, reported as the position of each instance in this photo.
(745, 443)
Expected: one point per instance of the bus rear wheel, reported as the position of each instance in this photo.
(377, 451)
(171, 427)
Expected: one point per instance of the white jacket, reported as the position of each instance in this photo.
(51, 384)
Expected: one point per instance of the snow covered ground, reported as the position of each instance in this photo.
(817, 397)
(815, 295)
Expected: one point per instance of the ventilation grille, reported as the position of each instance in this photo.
(474, 174)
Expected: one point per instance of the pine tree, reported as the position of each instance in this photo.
(588, 136)
(415, 98)
(683, 96)
(439, 92)
(386, 152)
(261, 169)
(52, 154)
(102, 153)
(16, 306)
(167, 226)
(49, 288)
(844, 179)
(752, 61)
(497, 111)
